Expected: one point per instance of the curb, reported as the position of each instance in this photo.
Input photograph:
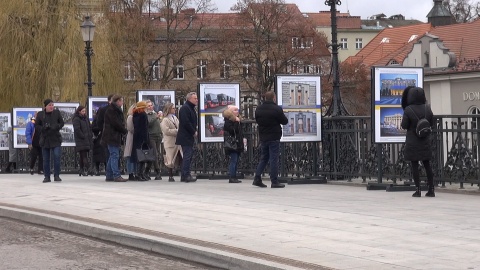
(194, 253)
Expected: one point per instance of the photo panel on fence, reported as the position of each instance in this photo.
(5, 123)
(21, 117)
(213, 99)
(300, 98)
(67, 110)
(158, 97)
(95, 103)
(389, 83)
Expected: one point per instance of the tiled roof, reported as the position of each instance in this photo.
(322, 19)
(386, 22)
(390, 43)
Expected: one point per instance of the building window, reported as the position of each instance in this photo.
(475, 120)
(178, 71)
(344, 43)
(225, 70)
(247, 69)
(292, 68)
(153, 70)
(201, 69)
(129, 72)
(302, 43)
(358, 43)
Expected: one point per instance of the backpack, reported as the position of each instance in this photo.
(423, 128)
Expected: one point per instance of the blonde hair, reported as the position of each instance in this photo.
(130, 110)
(167, 108)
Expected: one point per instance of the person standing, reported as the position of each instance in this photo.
(113, 131)
(127, 151)
(155, 137)
(417, 148)
(140, 137)
(173, 152)
(12, 153)
(83, 138)
(32, 134)
(269, 117)
(233, 128)
(187, 131)
(51, 122)
(100, 152)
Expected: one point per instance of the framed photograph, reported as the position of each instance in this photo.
(158, 97)
(388, 84)
(21, 116)
(95, 103)
(213, 99)
(67, 110)
(5, 122)
(300, 98)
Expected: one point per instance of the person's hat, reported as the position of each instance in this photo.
(47, 101)
(141, 105)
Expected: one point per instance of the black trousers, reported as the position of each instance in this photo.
(36, 152)
(83, 159)
(416, 173)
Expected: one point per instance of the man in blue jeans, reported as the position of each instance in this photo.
(269, 117)
(51, 122)
(113, 132)
(187, 131)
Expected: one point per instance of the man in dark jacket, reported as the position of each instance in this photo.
(113, 131)
(100, 153)
(51, 122)
(33, 133)
(269, 117)
(187, 130)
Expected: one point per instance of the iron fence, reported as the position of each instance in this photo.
(347, 151)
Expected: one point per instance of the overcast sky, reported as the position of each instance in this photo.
(416, 9)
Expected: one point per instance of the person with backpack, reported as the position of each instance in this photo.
(418, 121)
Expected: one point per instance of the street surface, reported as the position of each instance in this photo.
(27, 247)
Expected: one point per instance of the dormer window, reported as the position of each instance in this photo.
(385, 40)
(412, 38)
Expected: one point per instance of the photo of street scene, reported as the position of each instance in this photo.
(392, 86)
(390, 122)
(159, 98)
(67, 110)
(216, 100)
(95, 103)
(214, 125)
(67, 135)
(5, 122)
(21, 116)
(299, 94)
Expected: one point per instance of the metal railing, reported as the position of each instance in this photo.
(346, 151)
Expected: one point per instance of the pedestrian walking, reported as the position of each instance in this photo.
(187, 131)
(51, 122)
(232, 133)
(417, 147)
(100, 152)
(32, 134)
(140, 137)
(12, 153)
(83, 138)
(269, 117)
(155, 138)
(173, 153)
(127, 151)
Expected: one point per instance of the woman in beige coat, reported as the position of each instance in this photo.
(127, 151)
(173, 152)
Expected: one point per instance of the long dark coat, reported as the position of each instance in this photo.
(187, 117)
(113, 127)
(270, 117)
(140, 132)
(234, 129)
(51, 124)
(99, 150)
(416, 148)
(82, 133)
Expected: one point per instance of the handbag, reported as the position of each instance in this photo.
(230, 142)
(145, 155)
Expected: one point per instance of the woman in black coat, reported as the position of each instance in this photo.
(233, 128)
(140, 136)
(83, 137)
(417, 148)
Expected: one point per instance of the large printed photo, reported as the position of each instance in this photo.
(5, 123)
(389, 84)
(67, 111)
(158, 97)
(213, 99)
(299, 96)
(21, 117)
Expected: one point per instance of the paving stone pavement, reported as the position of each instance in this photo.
(333, 226)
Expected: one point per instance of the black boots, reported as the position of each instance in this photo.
(257, 181)
(83, 172)
(158, 175)
(233, 180)
(170, 175)
(141, 171)
(431, 191)
(418, 192)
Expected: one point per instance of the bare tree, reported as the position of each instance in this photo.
(463, 10)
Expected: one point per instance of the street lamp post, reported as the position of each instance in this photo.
(88, 30)
(336, 107)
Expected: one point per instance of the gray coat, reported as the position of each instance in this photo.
(12, 152)
(416, 148)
